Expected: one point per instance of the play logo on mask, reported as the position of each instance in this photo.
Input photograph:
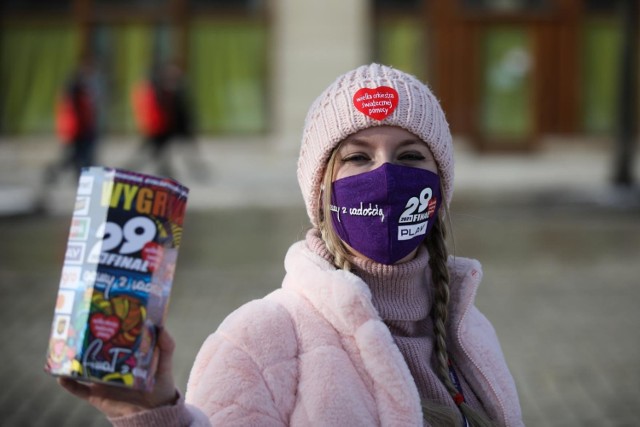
(418, 210)
(385, 213)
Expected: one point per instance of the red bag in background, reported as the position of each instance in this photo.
(150, 117)
(67, 123)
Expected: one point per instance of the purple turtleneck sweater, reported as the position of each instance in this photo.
(403, 296)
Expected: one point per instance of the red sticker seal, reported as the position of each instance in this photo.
(376, 103)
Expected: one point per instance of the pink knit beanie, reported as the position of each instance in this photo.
(371, 95)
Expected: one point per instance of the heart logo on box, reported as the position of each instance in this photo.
(103, 326)
(377, 103)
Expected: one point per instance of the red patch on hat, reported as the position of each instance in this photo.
(376, 103)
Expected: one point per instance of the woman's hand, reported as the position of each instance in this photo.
(117, 401)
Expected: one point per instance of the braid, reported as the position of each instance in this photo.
(440, 278)
(438, 254)
(335, 248)
(331, 240)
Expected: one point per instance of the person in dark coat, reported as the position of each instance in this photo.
(163, 113)
(77, 122)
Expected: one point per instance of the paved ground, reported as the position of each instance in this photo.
(560, 251)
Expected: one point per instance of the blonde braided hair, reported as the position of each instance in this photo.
(438, 255)
(334, 243)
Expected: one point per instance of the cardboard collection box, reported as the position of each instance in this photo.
(116, 279)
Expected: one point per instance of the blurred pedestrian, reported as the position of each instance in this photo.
(374, 324)
(76, 121)
(164, 115)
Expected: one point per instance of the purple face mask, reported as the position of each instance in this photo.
(385, 213)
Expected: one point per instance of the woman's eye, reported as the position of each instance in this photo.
(412, 156)
(355, 158)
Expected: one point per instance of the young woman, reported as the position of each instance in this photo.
(374, 323)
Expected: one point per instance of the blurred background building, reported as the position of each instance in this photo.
(508, 72)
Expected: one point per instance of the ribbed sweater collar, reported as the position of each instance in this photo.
(400, 292)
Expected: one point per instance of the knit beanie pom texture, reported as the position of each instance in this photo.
(338, 113)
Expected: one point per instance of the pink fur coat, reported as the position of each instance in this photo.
(315, 353)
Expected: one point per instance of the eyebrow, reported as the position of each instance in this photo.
(412, 141)
(354, 141)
